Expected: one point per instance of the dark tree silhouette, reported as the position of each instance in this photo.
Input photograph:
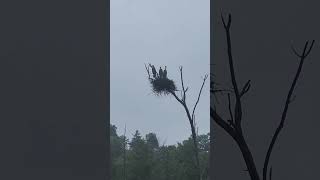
(233, 125)
(165, 88)
(125, 154)
(160, 73)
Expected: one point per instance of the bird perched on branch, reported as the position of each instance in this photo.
(165, 72)
(154, 71)
(160, 73)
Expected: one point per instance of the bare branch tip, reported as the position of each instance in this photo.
(294, 51)
(309, 50)
(305, 48)
(270, 173)
(223, 21)
(229, 20)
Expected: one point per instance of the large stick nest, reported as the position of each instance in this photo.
(162, 86)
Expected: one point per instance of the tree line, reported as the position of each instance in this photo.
(143, 158)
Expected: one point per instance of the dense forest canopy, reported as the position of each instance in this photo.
(143, 158)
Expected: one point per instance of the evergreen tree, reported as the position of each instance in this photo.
(146, 160)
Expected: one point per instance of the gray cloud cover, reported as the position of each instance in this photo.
(162, 32)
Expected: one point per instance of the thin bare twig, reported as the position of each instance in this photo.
(222, 123)
(270, 173)
(308, 52)
(183, 89)
(177, 98)
(230, 110)
(294, 51)
(195, 106)
(191, 117)
(238, 110)
(302, 57)
(246, 88)
(228, 24)
(236, 130)
(148, 70)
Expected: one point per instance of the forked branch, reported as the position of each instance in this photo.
(198, 99)
(238, 108)
(148, 70)
(222, 123)
(246, 88)
(230, 111)
(191, 117)
(233, 128)
(306, 51)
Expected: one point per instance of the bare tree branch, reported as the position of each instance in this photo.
(294, 51)
(215, 96)
(191, 117)
(186, 89)
(270, 173)
(218, 119)
(235, 131)
(148, 70)
(183, 89)
(216, 90)
(228, 24)
(309, 50)
(304, 54)
(195, 106)
(238, 110)
(177, 98)
(230, 110)
(246, 88)
(220, 90)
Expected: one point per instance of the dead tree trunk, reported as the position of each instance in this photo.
(182, 101)
(191, 117)
(233, 126)
(302, 57)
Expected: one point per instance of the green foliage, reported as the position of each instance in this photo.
(116, 152)
(152, 141)
(146, 160)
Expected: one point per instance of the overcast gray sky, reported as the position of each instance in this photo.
(161, 32)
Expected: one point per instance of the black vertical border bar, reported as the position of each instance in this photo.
(211, 62)
(35, 78)
(107, 15)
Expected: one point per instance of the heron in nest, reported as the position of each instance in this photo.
(154, 71)
(161, 84)
(165, 72)
(160, 72)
